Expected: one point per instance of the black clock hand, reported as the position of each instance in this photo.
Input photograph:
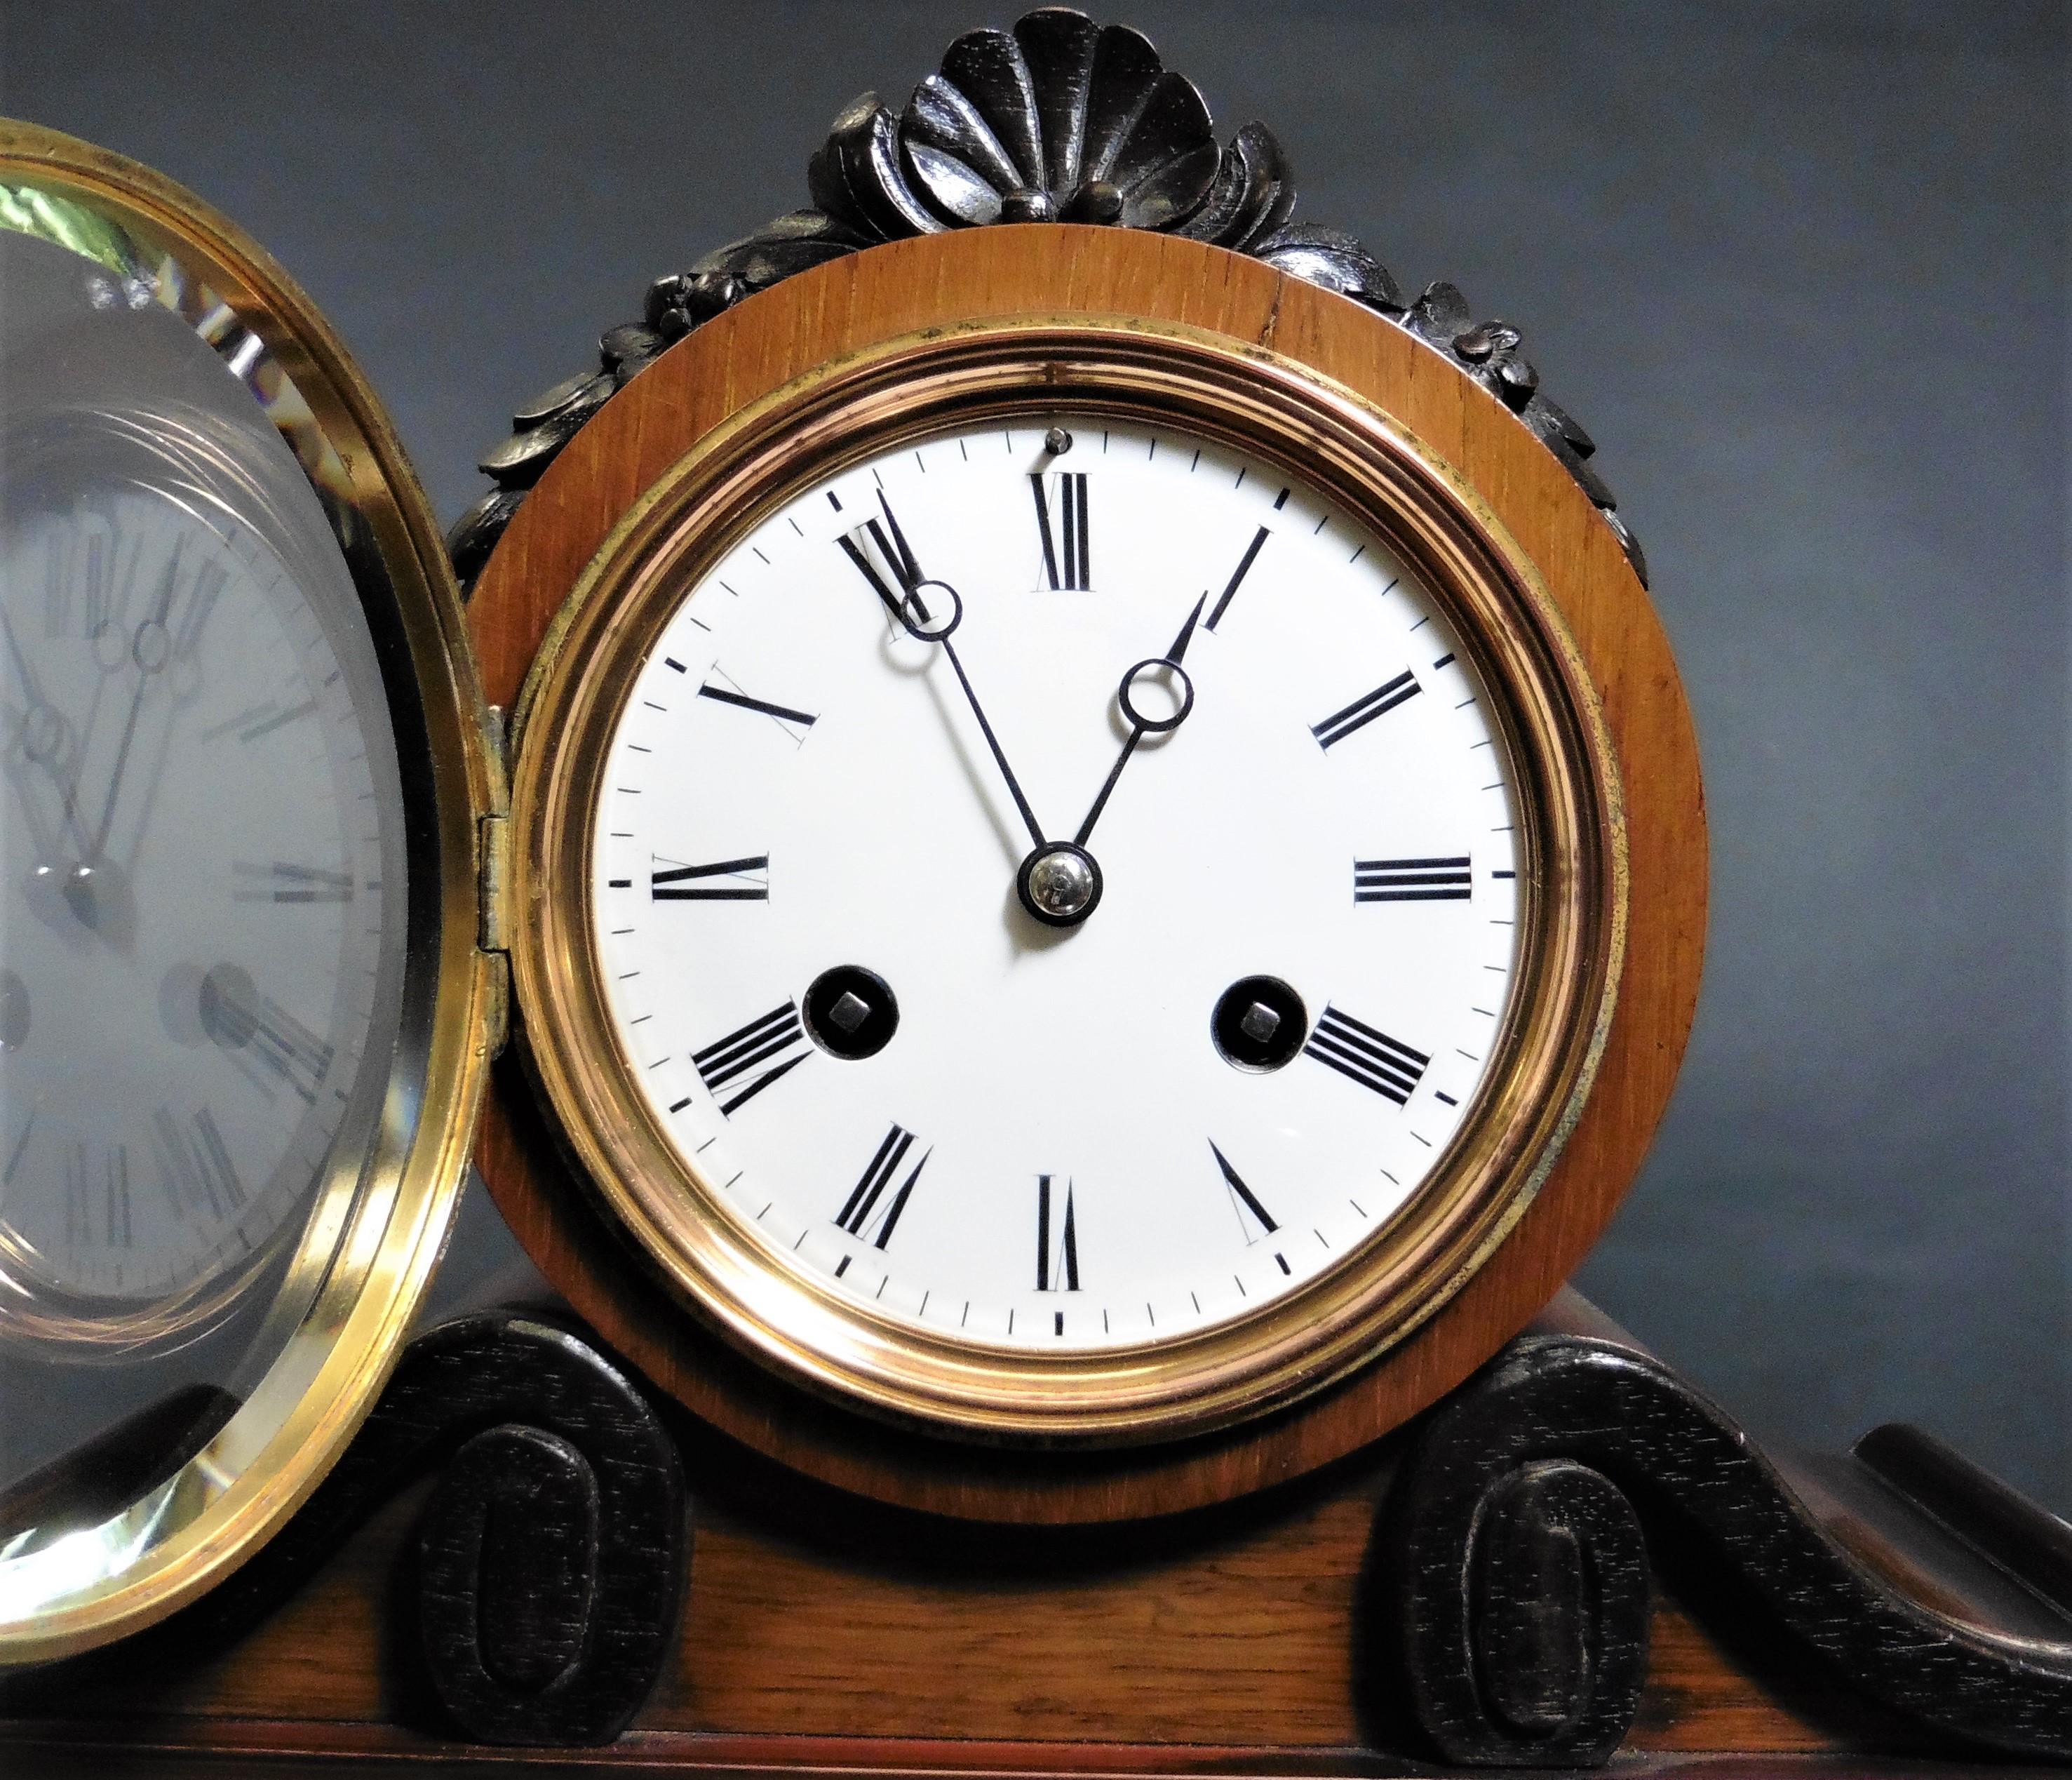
(907, 568)
(1139, 726)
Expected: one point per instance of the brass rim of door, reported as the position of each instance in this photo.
(364, 1253)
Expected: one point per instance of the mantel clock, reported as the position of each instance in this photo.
(1102, 878)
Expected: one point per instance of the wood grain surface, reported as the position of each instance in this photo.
(1223, 1650)
(894, 290)
(1781, 1614)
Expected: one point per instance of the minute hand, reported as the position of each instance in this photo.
(908, 572)
(1139, 728)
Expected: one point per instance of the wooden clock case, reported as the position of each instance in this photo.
(853, 304)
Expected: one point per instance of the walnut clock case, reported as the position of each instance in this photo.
(1106, 860)
(1101, 888)
(1361, 1016)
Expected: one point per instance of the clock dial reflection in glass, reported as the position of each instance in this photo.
(202, 876)
(1058, 882)
(194, 894)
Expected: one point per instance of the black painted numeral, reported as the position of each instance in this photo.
(1363, 709)
(1251, 1214)
(738, 881)
(778, 1038)
(882, 558)
(1237, 577)
(1364, 1054)
(1057, 1256)
(868, 1214)
(1061, 517)
(789, 718)
(1412, 880)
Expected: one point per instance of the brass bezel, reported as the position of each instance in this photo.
(368, 1247)
(1268, 405)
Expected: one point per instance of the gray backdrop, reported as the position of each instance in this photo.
(1802, 271)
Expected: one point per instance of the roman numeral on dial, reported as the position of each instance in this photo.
(1057, 1252)
(78, 1207)
(266, 718)
(21, 1146)
(778, 1038)
(1061, 517)
(111, 1227)
(197, 1170)
(788, 719)
(1363, 709)
(281, 883)
(102, 548)
(1237, 578)
(250, 1025)
(884, 561)
(1412, 880)
(203, 593)
(740, 880)
(1367, 1055)
(1251, 1214)
(118, 1196)
(868, 1214)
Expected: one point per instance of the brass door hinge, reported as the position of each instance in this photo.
(492, 866)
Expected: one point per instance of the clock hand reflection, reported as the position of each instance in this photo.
(43, 732)
(910, 608)
(150, 647)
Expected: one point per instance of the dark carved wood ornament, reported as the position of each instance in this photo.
(1503, 1542)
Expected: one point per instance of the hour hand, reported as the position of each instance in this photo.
(910, 605)
(1142, 722)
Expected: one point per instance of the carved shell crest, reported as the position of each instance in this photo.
(1058, 120)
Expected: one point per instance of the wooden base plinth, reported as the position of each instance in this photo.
(1573, 1556)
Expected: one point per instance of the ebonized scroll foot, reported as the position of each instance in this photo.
(547, 1571)
(1516, 1585)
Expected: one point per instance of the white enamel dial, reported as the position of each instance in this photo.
(1118, 1123)
(191, 889)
